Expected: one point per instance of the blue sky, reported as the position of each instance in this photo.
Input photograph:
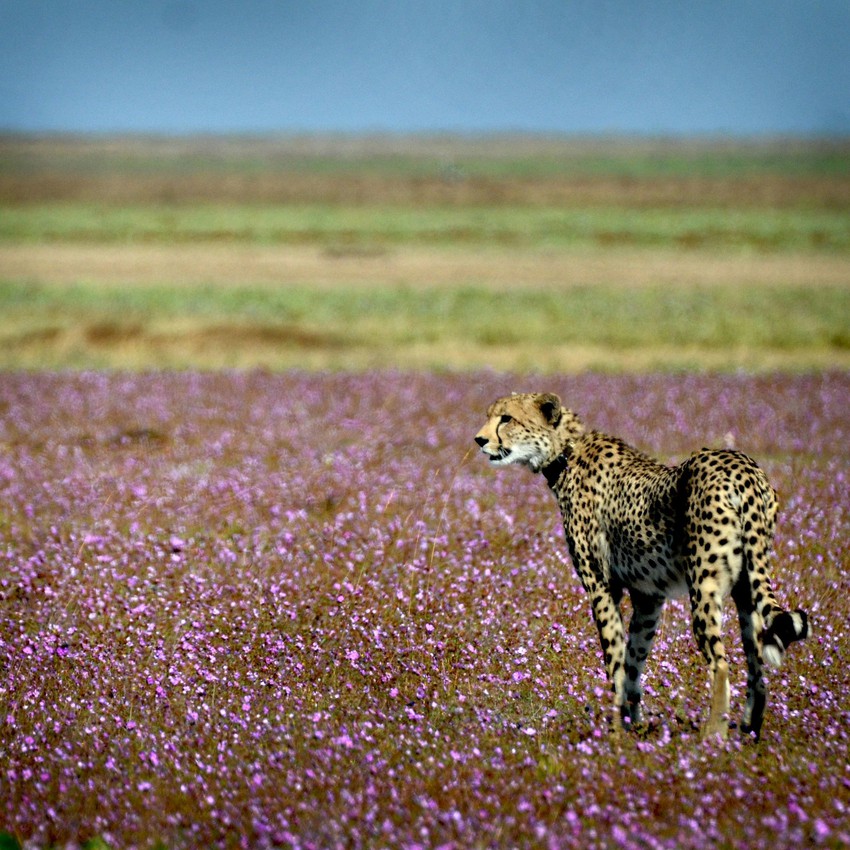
(737, 67)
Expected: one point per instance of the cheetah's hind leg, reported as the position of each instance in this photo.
(753, 716)
(706, 608)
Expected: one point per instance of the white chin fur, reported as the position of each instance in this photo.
(524, 457)
(515, 457)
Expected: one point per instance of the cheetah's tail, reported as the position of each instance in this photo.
(785, 628)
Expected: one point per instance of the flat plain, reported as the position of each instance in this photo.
(257, 589)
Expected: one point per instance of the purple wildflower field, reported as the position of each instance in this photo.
(299, 611)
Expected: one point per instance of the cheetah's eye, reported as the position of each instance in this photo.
(505, 418)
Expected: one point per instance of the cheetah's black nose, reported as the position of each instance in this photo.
(482, 441)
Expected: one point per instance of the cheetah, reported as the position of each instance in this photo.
(703, 528)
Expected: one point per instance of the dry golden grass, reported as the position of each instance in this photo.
(193, 344)
(253, 265)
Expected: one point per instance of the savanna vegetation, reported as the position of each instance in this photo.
(326, 253)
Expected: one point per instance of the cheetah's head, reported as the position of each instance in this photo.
(530, 429)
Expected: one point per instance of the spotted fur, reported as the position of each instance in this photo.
(704, 527)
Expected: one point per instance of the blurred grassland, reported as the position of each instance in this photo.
(374, 229)
(424, 252)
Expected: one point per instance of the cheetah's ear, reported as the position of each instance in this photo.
(550, 407)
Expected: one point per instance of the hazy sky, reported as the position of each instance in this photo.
(591, 66)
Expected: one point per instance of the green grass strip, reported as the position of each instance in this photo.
(377, 227)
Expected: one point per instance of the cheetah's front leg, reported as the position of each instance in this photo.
(609, 622)
(642, 629)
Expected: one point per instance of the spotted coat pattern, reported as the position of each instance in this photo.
(704, 528)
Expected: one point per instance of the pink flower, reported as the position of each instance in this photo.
(822, 830)
(344, 740)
